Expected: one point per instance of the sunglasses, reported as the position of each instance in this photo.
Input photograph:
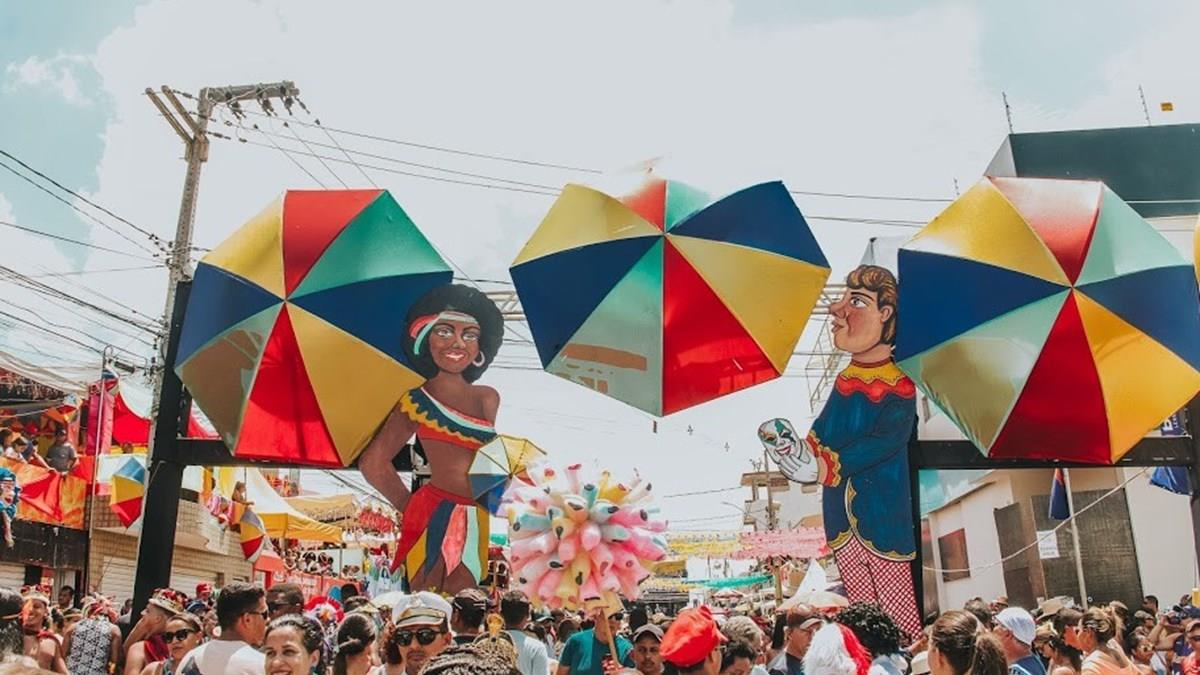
(1194, 638)
(424, 636)
(179, 635)
(265, 614)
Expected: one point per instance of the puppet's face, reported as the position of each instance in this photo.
(858, 320)
(8, 492)
(454, 345)
(778, 436)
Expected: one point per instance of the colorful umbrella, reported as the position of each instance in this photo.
(292, 340)
(1048, 320)
(496, 464)
(665, 298)
(126, 489)
(254, 535)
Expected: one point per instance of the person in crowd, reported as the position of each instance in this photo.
(293, 645)
(693, 644)
(981, 610)
(355, 648)
(799, 625)
(6, 443)
(66, 598)
(144, 644)
(835, 650)
(1066, 658)
(647, 650)
(209, 622)
(12, 635)
(584, 652)
(1017, 631)
(25, 451)
(242, 615)
(204, 593)
(878, 632)
(1144, 658)
(61, 456)
(1093, 635)
(744, 629)
(93, 646)
(1150, 605)
(959, 644)
(998, 605)
(393, 661)
(40, 643)
(58, 623)
(422, 629)
(466, 619)
(531, 652)
(284, 599)
(545, 622)
(183, 634)
(565, 629)
(737, 658)
(71, 617)
(481, 658)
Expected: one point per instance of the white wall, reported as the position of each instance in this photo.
(974, 513)
(1162, 533)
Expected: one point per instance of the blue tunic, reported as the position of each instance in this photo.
(861, 440)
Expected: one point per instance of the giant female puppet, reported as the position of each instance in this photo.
(453, 335)
(860, 441)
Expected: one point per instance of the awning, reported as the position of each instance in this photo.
(67, 379)
(329, 507)
(281, 519)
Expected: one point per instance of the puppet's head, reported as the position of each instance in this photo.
(455, 329)
(779, 437)
(865, 316)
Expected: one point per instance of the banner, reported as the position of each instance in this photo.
(48, 496)
(802, 542)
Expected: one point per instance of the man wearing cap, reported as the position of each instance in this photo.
(40, 644)
(1016, 630)
(466, 618)
(693, 643)
(422, 629)
(284, 599)
(647, 650)
(584, 652)
(531, 652)
(802, 622)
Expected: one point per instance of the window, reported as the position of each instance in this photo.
(953, 550)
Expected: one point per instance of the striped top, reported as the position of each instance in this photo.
(439, 422)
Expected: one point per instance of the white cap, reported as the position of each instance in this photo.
(920, 664)
(1019, 622)
(421, 608)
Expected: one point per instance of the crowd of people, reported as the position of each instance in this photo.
(244, 629)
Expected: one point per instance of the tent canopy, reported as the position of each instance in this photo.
(325, 507)
(281, 520)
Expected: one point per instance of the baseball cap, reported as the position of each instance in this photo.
(648, 629)
(470, 598)
(920, 664)
(691, 638)
(1019, 622)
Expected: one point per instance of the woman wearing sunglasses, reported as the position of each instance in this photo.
(1094, 636)
(183, 633)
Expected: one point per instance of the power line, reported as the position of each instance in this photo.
(151, 235)
(78, 210)
(85, 272)
(69, 240)
(46, 289)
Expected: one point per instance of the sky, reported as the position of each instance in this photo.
(869, 98)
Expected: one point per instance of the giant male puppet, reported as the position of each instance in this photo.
(860, 442)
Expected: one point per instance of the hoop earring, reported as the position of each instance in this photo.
(480, 359)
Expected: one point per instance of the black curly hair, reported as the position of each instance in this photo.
(873, 628)
(457, 298)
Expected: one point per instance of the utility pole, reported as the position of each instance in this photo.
(772, 524)
(160, 508)
(1083, 596)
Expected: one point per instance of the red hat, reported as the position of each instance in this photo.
(203, 587)
(691, 638)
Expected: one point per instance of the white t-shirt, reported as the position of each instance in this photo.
(223, 657)
(531, 654)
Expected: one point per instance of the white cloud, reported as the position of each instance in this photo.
(57, 74)
(892, 105)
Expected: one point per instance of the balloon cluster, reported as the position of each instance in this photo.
(576, 541)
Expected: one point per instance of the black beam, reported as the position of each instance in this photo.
(1165, 451)
(160, 506)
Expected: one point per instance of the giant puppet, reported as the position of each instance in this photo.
(860, 442)
(453, 334)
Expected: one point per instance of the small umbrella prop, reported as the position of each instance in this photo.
(495, 466)
(1048, 320)
(292, 340)
(254, 535)
(666, 298)
(126, 490)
